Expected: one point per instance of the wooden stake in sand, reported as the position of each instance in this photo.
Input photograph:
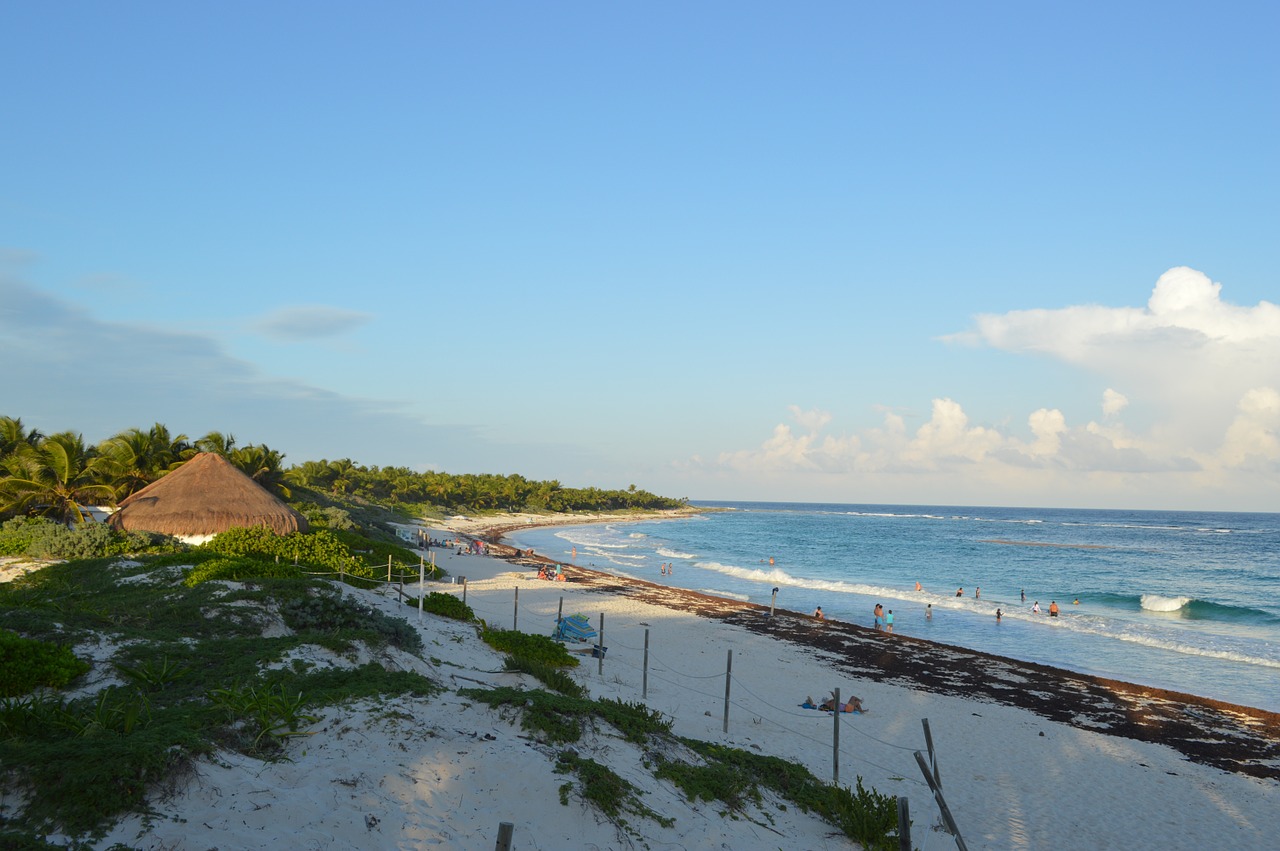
(644, 682)
(835, 739)
(505, 829)
(904, 824)
(942, 804)
(422, 588)
(933, 756)
(600, 647)
(515, 615)
(728, 675)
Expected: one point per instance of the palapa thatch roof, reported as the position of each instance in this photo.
(205, 496)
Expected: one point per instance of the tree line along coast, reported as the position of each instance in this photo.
(53, 474)
(62, 479)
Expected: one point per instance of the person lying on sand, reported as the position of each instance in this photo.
(853, 704)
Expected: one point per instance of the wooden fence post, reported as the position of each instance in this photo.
(728, 676)
(515, 616)
(904, 824)
(942, 804)
(933, 757)
(505, 829)
(600, 646)
(644, 688)
(835, 740)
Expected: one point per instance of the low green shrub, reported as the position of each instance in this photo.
(239, 570)
(319, 549)
(325, 611)
(445, 605)
(269, 715)
(27, 664)
(40, 537)
(600, 786)
(552, 677)
(538, 648)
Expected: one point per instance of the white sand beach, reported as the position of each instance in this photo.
(446, 771)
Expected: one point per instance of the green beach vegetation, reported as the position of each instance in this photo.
(194, 667)
(187, 663)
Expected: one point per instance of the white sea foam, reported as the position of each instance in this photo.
(1156, 603)
(728, 595)
(670, 553)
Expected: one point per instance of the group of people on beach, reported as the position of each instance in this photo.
(884, 618)
(853, 704)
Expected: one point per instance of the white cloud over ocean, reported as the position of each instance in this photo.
(1205, 372)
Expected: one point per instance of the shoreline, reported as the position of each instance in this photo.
(1239, 739)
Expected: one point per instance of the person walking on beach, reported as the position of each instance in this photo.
(888, 621)
(878, 611)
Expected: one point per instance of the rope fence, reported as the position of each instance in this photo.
(663, 671)
(487, 607)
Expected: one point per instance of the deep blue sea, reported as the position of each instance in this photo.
(1181, 600)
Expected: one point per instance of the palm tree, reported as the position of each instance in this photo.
(15, 438)
(311, 474)
(343, 475)
(134, 459)
(217, 442)
(264, 465)
(54, 480)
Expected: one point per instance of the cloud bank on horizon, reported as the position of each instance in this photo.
(1209, 371)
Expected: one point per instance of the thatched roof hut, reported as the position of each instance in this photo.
(203, 497)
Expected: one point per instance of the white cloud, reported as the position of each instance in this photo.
(812, 420)
(1048, 426)
(1253, 439)
(1187, 356)
(1113, 402)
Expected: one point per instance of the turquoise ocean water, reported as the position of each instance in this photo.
(1181, 600)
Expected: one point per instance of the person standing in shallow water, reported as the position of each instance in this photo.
(888, 621)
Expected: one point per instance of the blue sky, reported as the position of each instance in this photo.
(993, 253)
